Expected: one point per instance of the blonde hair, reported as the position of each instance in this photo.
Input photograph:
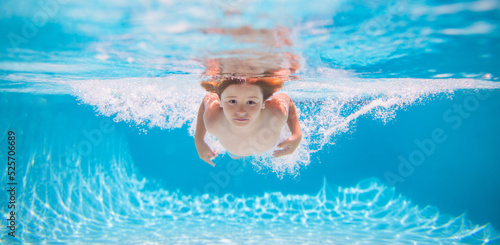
(268, 85)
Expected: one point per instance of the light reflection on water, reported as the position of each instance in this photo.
(99, 198)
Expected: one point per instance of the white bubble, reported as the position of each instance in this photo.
(328, 107)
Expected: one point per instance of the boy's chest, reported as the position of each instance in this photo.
(258, 142)
(261, 140)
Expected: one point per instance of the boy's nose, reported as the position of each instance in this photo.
(241, 110)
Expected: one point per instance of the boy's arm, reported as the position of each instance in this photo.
(204, 151)
(293, 120)
(200, 132)
(290, 145)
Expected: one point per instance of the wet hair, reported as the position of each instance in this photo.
(268, 85)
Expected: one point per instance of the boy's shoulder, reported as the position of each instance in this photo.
(210, 98)
(213, 111)
(279, 104)
(212, 103)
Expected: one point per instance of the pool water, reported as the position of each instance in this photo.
(398, 105)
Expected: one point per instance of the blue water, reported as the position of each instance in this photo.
(398, 106)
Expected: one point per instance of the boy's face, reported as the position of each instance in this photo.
(242, 103)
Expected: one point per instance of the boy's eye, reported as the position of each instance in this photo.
(232, 101)
(251, 102)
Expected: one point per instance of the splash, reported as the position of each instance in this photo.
(328, 108)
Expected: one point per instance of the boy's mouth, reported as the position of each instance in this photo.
(240, 119)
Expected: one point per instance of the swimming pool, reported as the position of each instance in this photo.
(398, 107)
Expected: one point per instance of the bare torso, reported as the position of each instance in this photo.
(263, 137)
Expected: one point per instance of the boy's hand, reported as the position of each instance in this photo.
(289, 146)
(204, 152)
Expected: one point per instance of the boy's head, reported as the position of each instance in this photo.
(268, 85)
(243, 99)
